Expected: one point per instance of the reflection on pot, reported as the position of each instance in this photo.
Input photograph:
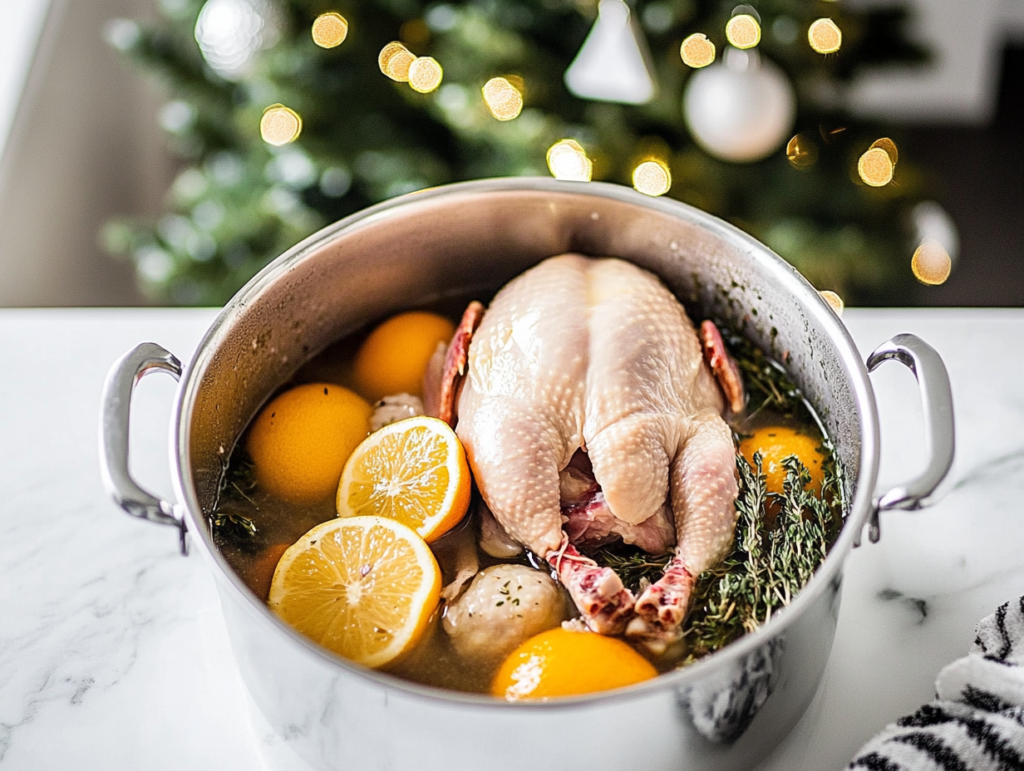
(723, 706)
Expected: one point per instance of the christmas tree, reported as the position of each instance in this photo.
(289, 114)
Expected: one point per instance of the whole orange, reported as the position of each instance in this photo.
(300, 441)
(776, 443)
(561, 662)
(394, 357)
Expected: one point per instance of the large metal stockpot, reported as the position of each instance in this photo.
(724, 712)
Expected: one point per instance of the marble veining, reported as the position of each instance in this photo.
(113, 652)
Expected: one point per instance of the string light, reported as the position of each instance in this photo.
(875, 167)
(743, 31)
(425, 74)
(801, 151)
(824, 36)
(697, 51)
(395, 60)
(330, 30)
(890, 148)
(931, 263)
(568, 160)
(280, 125)
(652, 178)
(504, 100)
(834, 300)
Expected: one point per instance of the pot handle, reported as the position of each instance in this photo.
(937, 402)
(114, 419)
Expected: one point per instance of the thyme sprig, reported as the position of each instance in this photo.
(237, 490)
(765, 381)
(232, 522)
(770, 561)
(634, 566)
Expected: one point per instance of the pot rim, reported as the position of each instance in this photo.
(812, 302)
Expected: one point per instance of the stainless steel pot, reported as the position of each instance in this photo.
(725, 712)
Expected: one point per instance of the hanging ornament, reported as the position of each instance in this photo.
(740, 110)
(612, 65)
(231, 32)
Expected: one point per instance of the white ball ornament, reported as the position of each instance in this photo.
(740, 110)
(231, 32)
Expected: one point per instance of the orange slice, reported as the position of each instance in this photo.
(563, 662)
(413, 471)
(364, 588)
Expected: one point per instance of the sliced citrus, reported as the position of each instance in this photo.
(563, 662)
(413, 471)
(364, 588)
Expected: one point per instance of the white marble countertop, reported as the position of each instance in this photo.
(113, 653)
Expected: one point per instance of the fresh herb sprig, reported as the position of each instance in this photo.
(237, 487)
(770, 561)
(634, 566)
(765, 381)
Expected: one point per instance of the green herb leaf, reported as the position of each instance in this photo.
(237, 487)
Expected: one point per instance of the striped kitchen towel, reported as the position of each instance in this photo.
(976, 722)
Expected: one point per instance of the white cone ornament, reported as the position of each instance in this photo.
(611, 65)
(740, 110)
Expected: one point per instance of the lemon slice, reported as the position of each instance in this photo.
(364, 588)
(414, 472)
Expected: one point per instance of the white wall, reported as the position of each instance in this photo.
(960, 85)
(84, 146)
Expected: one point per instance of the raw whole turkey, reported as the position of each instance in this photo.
(588, 413)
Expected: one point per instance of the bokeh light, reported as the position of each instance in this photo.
(503, 99)
(824, 36)
(743, 31)
(395, 60)
(280, 125)
(875, 167)
(568, 160)
(931, 263)
(330, 30)
(697, 51)
(834, 300)
(425, 74)
(231, 32)
(890, 148)
(801, 151)
(652, 178)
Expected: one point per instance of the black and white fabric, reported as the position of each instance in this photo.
(976, 722)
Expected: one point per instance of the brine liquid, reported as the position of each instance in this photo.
(280, 524)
